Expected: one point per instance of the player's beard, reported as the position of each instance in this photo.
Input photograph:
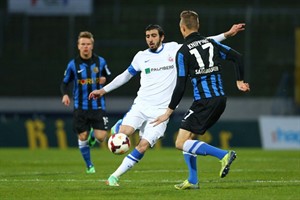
(155, 47)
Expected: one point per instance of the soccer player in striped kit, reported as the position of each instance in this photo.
(88, 72)
(156, 66)
(199, 59)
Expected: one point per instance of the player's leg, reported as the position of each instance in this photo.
(81, 126)
(192, 181)
(91, 138)
(206, 114)
(149, 136)
(190, 160)
(127, 163)
(202, 148)
(85, 152)
(99, 123)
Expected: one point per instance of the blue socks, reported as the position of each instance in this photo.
(202, 148)
(135, 155)
(85, 152)
(191, 162)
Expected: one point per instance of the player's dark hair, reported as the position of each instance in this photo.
(157, 27)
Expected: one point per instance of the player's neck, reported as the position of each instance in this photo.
(187, 33)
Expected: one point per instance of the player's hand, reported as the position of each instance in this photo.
(235, 29)
(245, 87)
(102, 80)
(66, 100)
(97, 94)
(159, 120)
(163, 117)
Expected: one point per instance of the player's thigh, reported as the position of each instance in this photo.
(209, 114)
(153, 133)
(126, 129)
(133, 118)
(98, 119)
(182, 136)
(80, 121)
(203, 114)
(100, 134)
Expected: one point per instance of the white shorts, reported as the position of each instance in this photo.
(139, 117)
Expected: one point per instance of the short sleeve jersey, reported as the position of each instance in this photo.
(86, 78)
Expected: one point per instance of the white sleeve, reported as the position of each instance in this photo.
(218, 38)
(118, 81)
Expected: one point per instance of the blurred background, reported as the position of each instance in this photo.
(38, 38)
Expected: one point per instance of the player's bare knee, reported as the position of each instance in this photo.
(178, 145)
(127, 130)
(100, 135)
(83, 136)
(101, 138)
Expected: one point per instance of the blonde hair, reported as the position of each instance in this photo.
(190, 19)
(86, 34)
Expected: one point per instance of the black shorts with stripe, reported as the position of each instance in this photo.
(83, 120)
(203, 114)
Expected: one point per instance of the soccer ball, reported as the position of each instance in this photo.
(119, 143)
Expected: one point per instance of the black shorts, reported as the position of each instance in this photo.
(203, 114)
(83, 120)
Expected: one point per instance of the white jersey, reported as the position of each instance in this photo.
(158, 75)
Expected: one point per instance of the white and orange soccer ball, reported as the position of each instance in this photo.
(119, 143)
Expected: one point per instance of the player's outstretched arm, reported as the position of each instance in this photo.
(234, 30)
(95, 94)
(230, 33)
(242, 86)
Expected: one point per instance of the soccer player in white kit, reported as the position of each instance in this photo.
(156, 66)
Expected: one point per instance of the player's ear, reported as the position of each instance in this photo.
(162, 38)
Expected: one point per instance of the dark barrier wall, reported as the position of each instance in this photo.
(36, 49)
(47, 130)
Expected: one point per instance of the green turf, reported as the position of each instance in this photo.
(60, 174)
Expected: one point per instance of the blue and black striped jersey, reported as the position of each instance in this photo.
(85, 75)
(200, 59)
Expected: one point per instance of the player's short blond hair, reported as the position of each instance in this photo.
(86, 34)
(190, 19)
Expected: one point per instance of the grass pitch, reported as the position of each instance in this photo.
(60, 174)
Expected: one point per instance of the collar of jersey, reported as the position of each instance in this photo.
(159, 49)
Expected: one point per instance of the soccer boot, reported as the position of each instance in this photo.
(116, 127)
(90, 170)
(186, 185)
(112, 181)
(226, 162)
(91, 139)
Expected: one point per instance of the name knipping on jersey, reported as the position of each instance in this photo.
(197, 43)
(207, 71)
(153, 69)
